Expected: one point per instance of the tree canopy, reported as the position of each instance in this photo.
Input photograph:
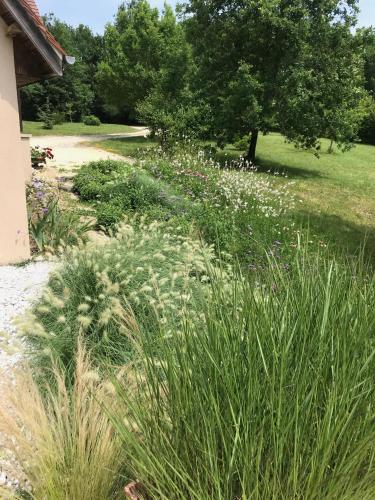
(75, 94)
(141, 52)
(222, 70)
(288, 64)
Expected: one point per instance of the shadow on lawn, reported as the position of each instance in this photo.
(271, 166)
(347, 237)
(268, 166)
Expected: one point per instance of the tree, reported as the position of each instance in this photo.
(170, 109)
(324, 88)
(366, 37)
(367, 130)
(146, 65)
(293, 63)
(132, 55)
(75, 94)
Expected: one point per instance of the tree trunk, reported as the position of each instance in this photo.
(250, 157)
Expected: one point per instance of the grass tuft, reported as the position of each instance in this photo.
(272, 397)
(61, 437)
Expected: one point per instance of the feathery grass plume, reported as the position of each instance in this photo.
(96, 299)
(272, 396)
(61, 437)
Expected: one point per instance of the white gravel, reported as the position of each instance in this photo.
(72, 150)
(20, 286)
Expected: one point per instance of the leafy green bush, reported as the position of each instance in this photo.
(171, 120)
(58, 117)
(140, 191)
(109, 214)
(147, 268)
(242, 144)
(271, 397)
(92, 178)
(367, 130)
(119, 188)
(92, 121)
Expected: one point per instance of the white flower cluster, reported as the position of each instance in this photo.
(236, 185)
(241, 190)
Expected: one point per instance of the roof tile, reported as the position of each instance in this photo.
(32, 9)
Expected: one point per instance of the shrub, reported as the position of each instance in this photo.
(146, 267)
(171, 120)
(58, 118)
(139, 190)
(45, 115)
(109, 214)
(119, 188)
(61, 437)
(271, 397)
(48, 123)
(367, 130)
(92, 121)
(92, 178)
(242, 144)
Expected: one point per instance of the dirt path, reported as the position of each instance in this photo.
(71, 151)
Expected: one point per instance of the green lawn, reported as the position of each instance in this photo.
(35, 128)
(337, 190)
(124, 146)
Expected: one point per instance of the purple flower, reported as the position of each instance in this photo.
(40, 194)
(45, 210)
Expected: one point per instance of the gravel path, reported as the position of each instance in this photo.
(71, 150)
(20, 286)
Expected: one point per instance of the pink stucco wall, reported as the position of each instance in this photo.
(25, 150)
(14, 240)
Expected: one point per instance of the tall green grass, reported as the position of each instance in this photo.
(272, 398)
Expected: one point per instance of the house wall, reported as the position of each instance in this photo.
(14, 238)
(25, 149)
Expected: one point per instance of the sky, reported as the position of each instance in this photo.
(96, 13)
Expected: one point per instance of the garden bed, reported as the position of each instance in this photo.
(209, 349)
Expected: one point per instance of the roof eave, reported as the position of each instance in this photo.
(49, 54)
